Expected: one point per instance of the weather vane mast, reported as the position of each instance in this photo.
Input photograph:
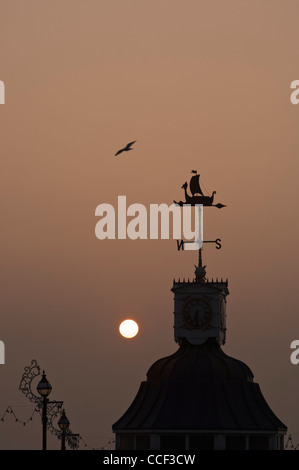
(198, 198)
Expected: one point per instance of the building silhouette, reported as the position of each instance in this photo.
(199, 398)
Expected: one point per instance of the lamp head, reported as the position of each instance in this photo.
(63, 422)
(44, 387)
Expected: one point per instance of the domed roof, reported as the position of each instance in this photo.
(199, 388)
(206, 361)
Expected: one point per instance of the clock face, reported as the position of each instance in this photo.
(197, 313)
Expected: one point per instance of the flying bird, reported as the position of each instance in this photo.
(125, 149)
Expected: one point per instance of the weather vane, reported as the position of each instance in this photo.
(198, 197)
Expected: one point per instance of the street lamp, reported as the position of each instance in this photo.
(44, 388)
(50, 409)
(64, 424)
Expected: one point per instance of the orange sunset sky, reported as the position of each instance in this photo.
(199, 85)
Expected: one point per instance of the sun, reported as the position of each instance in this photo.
(128, 328)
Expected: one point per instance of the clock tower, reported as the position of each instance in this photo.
(199, 308)
(199, 398)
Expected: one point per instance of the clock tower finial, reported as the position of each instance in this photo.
(200, 271)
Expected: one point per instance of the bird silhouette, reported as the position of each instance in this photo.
(125, 149)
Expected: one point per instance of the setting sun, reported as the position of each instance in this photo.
(128, 328)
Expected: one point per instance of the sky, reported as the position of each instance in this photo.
(199, 85)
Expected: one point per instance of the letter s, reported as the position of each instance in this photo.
(294, 356)
(293, 97)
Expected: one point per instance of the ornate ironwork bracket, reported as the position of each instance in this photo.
(73, 440)
(30, 372)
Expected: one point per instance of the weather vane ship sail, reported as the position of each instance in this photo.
(198, 196)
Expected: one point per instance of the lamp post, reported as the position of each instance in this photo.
(44, 388)
(64, 424)
(50, 409)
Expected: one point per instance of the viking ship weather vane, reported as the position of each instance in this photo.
(198, 197)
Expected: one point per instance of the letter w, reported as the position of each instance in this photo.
(189, 459)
